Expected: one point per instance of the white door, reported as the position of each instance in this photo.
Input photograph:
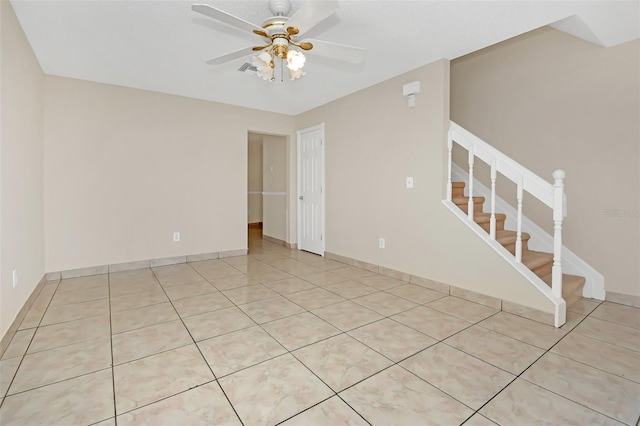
(311, 189)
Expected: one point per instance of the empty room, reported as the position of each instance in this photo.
(319, 212)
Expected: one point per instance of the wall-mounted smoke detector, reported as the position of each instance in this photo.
(410, 90)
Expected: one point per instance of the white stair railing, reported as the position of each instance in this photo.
(551, 195)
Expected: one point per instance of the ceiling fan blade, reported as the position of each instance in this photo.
(230, 56)
(225, 17)
(259, 48)
(341, 52)
(311, 14)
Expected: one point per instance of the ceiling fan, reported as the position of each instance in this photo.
(282, 35)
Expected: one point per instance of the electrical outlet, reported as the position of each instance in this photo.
(15, 278)
(176, 237)
(381, 243)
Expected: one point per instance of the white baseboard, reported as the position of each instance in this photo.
(140, 264)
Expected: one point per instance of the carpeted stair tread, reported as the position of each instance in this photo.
(535, 259)
(465, 200)
(481, 217)
(571, 287)
(572, 282)
(509, 237)
(484, 220)
(457, 189)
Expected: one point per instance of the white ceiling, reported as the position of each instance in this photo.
(163, 45)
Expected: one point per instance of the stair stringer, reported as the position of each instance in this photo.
(540, 239)
(560, 310)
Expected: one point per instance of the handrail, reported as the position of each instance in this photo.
(550, 194)
(532, 183)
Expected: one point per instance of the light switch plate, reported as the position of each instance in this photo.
(409, 182)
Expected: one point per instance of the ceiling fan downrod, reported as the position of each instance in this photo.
(280, 7)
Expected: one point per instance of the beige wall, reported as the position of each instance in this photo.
(21, 153)
(125, 168)
(255, 178)
(274, 180)
(373, 142)
(553, 101)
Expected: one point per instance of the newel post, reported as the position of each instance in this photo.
(558, 215)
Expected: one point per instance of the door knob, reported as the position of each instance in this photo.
(301, 197)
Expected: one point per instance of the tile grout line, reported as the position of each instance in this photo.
(414, 354)
(397, 363)
(517, 376)
(113, 372)
(383, 316)
(592, 366)
(523, 371)
(535, 384)
(290, 353)
(520, 340)
(393, 362)
(215, 378)
(59, 381)
(614, 322)
(305, 310)
(23, 356)
(31, 341)
(346, 332)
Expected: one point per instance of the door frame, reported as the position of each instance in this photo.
(299, 185)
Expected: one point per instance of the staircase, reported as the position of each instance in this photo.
(540, 263)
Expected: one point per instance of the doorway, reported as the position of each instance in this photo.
(267, 187)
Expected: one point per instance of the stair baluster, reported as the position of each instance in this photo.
(471, 160)
(519, 225)
(558, 215)
(450, 148)
(492, 221)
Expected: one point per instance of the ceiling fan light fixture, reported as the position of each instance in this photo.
(264, 63)
(296, 73)
(295, 60)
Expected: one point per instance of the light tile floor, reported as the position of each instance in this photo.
(282, 336)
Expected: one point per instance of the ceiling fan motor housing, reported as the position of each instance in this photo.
(280, 47)
(275, 28)
(275, 25)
